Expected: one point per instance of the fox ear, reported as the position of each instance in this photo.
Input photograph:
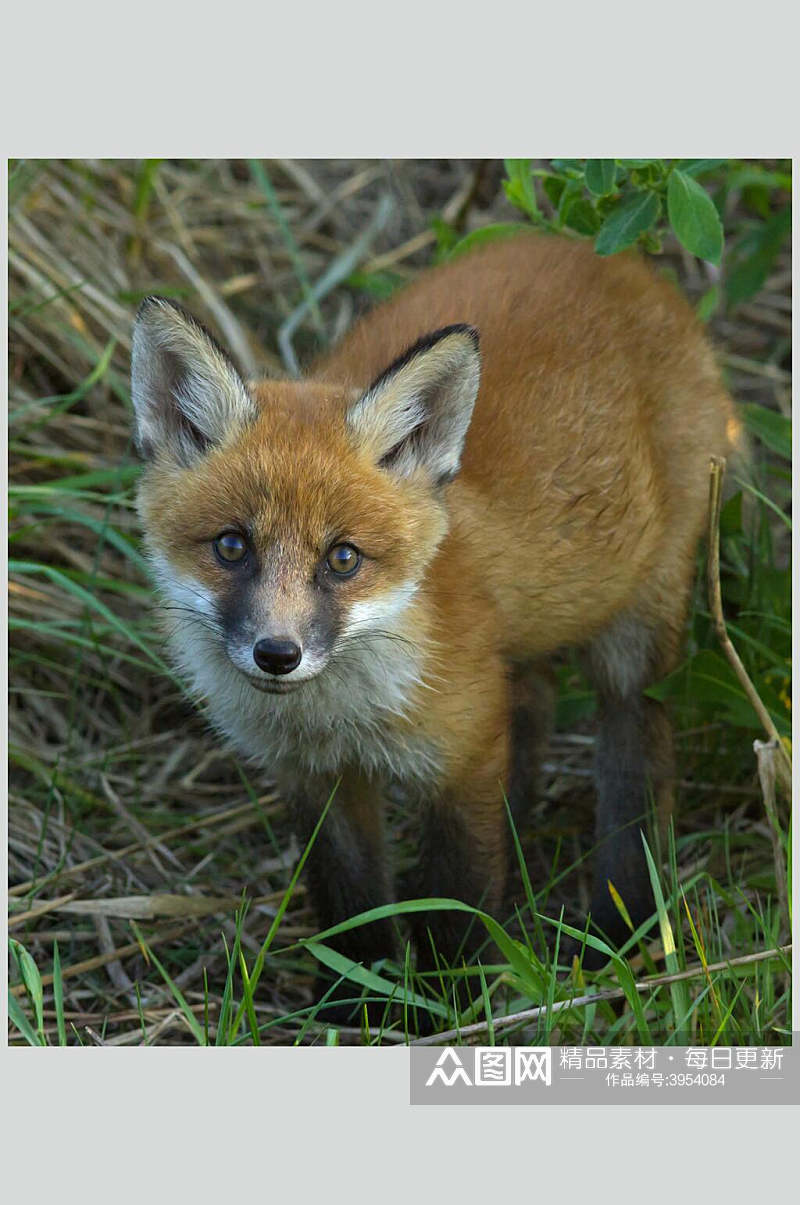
(416, 414)
(187, 395)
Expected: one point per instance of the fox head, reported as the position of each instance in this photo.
(290, 522)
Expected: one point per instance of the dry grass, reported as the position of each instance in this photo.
(122, 806)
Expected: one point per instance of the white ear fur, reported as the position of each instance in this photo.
(186, 393)
(416, 414)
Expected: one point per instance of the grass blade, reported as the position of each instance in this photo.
(58, 996)
(18, 1018)
(32, 980)
(191, 1019)
(678, 991)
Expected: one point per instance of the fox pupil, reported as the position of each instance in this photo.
(344, 559)
(230, 547)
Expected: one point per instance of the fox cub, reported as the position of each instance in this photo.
(369, 568)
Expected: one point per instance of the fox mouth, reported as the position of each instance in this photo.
(273, 686)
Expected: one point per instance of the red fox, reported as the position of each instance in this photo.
(369, 568)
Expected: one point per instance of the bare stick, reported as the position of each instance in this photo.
(782, 762)
(647, 985)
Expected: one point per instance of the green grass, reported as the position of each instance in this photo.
(120, 799)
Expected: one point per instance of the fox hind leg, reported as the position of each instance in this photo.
(633, 765)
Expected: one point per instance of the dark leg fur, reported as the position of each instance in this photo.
(532, 709)
(448, 868)
(633, 766)
(346, 874)
(621, 776)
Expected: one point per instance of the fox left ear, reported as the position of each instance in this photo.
(416, 414)
(187, 395)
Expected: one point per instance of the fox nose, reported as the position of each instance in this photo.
(277, 656)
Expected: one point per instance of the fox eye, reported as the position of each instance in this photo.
(343, 559)
(230, 547)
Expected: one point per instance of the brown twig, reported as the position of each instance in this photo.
(646, 985)
(101, 960)
(41, 909)
(782, 762)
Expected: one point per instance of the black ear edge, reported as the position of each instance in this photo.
(423, 344)
(154, 301)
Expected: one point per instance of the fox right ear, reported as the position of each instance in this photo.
(187, 395)
(416, 414)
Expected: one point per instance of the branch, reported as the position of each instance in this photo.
(782, 761)
(531, 1014)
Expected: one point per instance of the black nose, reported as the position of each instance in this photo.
(278, 656)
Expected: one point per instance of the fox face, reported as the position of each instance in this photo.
(290, 525)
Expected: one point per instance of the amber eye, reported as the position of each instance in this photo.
(344, 559)
(230, 547)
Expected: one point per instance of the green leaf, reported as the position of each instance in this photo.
(446, 236)
(553, 187)
(574, 705)
(488, 234)
(772, 429)
(32, 980)
(752, 175)
(572, 190)
(519, 187)
(730, 517)
(18, 1018)
(708, 304)
(378, 284)
(693, 216)
(582, 217)
(369, 979)
(601, 176)
(624, 225)
(526, 967)
(700, 167)
(708, 679)
(750, 271)
(568, 167)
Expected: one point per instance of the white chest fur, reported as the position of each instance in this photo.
(352, 713)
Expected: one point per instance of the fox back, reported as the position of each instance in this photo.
(366, 571)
